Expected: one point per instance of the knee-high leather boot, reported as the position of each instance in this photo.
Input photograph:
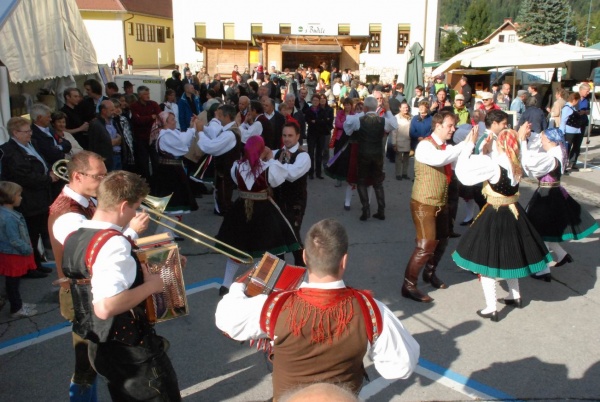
(429, 275)
(380, 195)
(363, 194)
(420, 256)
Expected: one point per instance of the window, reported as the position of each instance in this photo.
(375, 38)
(343, 29)
(500, 38)
(200, 29)
(511, 38)
(140, 32)
(285, 28)
(403, 37)
(168, 32)
(229, 30)
(151, 33)
(160, 34)
(130, 28)
(254, 29)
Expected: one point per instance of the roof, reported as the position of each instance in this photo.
(160, 8)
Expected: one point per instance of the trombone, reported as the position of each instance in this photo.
(156, 206)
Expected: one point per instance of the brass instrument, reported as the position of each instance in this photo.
(156, 205)
(59, 168)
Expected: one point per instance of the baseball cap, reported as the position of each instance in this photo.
(487, 95)
(459, 97)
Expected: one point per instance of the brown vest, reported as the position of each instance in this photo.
(431, 185)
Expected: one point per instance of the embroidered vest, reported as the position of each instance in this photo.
(431, 185)
(224, 162)
(128, 327)
(370, 134)
(291, 194)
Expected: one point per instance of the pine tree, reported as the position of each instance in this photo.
(546, 22)
(477, 22)
(450, 45)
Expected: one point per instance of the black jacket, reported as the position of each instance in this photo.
(45, 145)
(26, 170)
(100, 141)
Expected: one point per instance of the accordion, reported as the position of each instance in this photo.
(160, 255)
(271, 274)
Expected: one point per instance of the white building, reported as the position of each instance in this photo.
(373, 38)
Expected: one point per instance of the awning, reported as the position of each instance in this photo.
(224, 43)
(312, 48)
(41, 40)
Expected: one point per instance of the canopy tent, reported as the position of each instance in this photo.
(42, 40)
(517, 54)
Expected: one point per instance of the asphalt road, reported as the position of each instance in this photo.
(546, 351)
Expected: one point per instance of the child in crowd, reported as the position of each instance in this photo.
(16, 252)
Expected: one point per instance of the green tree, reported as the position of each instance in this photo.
(450, 45)
(477, 22)
(546, 22)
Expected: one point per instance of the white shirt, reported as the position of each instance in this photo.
(295, 170)
(474, 169)
(352, 122)
(213, 128)
(537, 163)
(395, 353)
(220, 144)
(428, 154)
(176, 142)
(71, 221)
(269, 116)
(247, 130)
(277, 173)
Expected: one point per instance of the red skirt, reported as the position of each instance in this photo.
(14, 265)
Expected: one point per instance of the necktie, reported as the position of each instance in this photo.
(447, 168)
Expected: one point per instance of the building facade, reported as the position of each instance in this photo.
(140, 28)
(344, 34)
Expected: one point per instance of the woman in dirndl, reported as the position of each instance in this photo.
(553, 212)
(501, 243)
(255, 224)
(169, 176)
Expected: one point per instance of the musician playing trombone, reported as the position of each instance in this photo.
(74, 205)
(321, 331)
(109, 288)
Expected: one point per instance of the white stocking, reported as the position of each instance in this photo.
(348, 198)
(230, 269)
(470, 207)
(513, 288)
(558, 250)
(489, 292)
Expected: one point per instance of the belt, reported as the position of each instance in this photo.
(247, 195)
(549, 184)
(497, 201)
(165, 161)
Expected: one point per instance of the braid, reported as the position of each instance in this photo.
(509, 143)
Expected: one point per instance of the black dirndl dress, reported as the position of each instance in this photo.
(337, 166)
(170, 178)
(502, 242)
(255, 224)
(555, 214)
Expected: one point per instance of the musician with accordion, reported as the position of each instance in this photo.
(321, 330)
(110, 289)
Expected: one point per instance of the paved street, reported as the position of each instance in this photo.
(547, 350)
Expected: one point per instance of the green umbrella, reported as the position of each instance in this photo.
(414, 70)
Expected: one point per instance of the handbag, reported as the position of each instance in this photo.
(576, 120)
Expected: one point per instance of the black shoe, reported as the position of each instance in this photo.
(379, 215)
(492, 316)
(320, 177)
(467, 223)
(566, 259)
(218, 213)
(511, 302)
(405, 176)
(574, 168)
(398, 177)
(365, 215)
(34, 274)
(223, 291)
(454, 235)
(178, 238)
(543, 277)
(44, 270)
(347, 207)
(310, 176)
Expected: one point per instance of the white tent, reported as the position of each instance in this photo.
(42, 40)
(517, 54)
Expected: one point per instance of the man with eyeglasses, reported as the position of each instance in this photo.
(74, 205)
(488, 102)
